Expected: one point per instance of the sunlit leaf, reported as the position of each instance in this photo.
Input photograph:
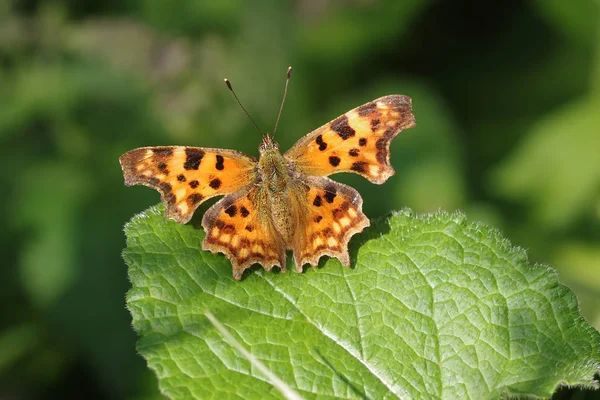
(433, 307)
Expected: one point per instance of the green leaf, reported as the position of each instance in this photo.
(434, 307)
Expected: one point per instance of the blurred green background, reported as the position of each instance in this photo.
(506, 96)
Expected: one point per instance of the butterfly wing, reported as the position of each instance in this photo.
(331, 213)
(187, 176)
(240, 227)
(358, 141)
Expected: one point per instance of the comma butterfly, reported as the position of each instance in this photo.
(278, 202)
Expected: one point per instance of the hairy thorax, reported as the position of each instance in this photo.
(276, 180)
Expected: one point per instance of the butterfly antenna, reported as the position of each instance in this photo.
(241, 106)
(287, 81)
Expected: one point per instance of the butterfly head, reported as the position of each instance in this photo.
(267, 144)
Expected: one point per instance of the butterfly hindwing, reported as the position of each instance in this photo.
(331, 215)
(358, 141)
(187, 176)
(240, 227)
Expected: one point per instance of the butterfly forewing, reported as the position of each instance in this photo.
(358, 141)
(187, 176)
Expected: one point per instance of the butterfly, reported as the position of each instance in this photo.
(278, 202)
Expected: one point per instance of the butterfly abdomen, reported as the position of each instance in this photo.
(276, 181)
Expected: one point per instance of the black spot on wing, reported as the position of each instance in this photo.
(215, 183)
(359, 166)
(181, 178)
(193, 157)
(362, 142)
(321, 143)
(231, 210)
(244, 211)
(341, 127)
(354, 152)
(194, 184)
(334, 161)
(163, 168)
(219, 165)
(318, 201)
(330, 193)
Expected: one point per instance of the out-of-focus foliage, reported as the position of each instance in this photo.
(506, 96)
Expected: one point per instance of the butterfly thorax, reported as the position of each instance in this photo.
(276, 180)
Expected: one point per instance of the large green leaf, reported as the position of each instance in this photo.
(433, 307)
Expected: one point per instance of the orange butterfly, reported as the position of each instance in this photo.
(278, 202)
